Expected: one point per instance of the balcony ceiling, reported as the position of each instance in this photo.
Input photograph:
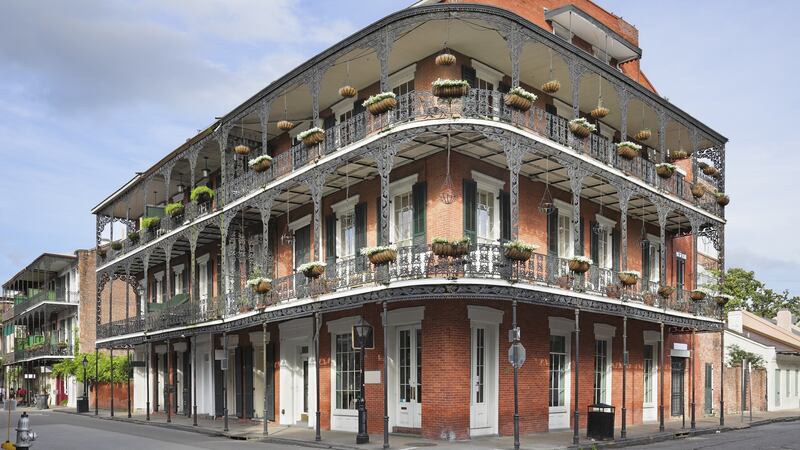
(592, 31)
(46, 263)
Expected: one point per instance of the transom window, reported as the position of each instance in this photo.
(558, 370)
(348, 373)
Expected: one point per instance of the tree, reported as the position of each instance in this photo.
(738, 356)
(752, 295)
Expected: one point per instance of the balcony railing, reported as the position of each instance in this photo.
(42, 350)
(23, 304)
(484, 261)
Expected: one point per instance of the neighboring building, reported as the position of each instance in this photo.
(469, 166)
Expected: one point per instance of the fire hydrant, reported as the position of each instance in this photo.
(25, 436)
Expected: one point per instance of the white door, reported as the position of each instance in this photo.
(481, 387)
(409, 377)
(301, 380)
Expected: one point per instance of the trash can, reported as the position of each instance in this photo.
(83, 404)
(42, 401)
(600, 422)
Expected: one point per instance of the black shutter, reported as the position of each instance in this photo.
(419, 194)
(330, 240)
(680, 268)
(468, 74)
(615, 252)
(361, 232)
(645, 265)
(582, 249)
(594, 243)
(238, 366)
(270, 381)
(218, 388)
(247, 381)
(552, 232)
(378, 222)
(505, 216)
(358, 107)
(503, 87)
(550, 108)
(470, 210)
(302, 245)
(329, 122)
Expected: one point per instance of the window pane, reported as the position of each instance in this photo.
(348, 373)
(558, 359)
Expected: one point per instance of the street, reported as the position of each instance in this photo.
(784, 435)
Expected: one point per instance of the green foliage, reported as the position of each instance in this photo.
(753, 295)
(201, 192)
(74, 367)
(173, 209)
(738, 356)
(150, 222)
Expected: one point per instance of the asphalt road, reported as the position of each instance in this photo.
(785, 435)
(60, 431)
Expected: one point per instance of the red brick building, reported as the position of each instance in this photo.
(254, 242)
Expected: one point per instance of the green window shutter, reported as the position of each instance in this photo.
(505, 216)
(469, 75)
(582, 249)
(419, 194)
(378, 222)
(361, 232)
(615, 252)
(503, 87)
(470, 210)
(552, 232)
(330, 239)
(646, 264)
(594, 242)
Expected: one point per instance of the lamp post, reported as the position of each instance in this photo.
(362, 338)
(85, 363)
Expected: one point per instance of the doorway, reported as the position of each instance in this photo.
(483, 405)
(677, 382)
(409, 377)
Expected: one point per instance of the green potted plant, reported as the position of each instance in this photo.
(677, 155)
(629, 277)
(380, 103)
(722, 198)
(449, 89)
(517, 250)
(581, 127)
(628, 150)
(380, 255)
(519, 99)
(150, 223)
(116, 245)
(102, 251)
(665, 170)
(133, 236)
(313, 269)
(174, 209)
(722, 299)
(258, 283)
(698, 190)
(312, 136)
(201, 194)
(260, 163)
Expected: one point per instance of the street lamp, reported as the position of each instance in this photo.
(362, 339)
(85, 363)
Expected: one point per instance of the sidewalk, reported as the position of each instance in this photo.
(637, 434)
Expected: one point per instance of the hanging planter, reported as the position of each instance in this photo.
(133, 236)
(312, 136)
(150, 223)
(628, 150)
(116, 245)
(665, 170)
(629, 277)
(643, 135)
(665, 291)
(348, 91)
(380, 103)
(312, 269)
(102, 252)
(722, 198)
(698, 190)
(599, 112)
(722, 299)
(519, 99)
(580, 264)
(201, 194)
(285, 125)
(551, 87)
(581, 127)
(260, 285)
(697, 295)
(445, 247)
(174, 209)
(260, 163)
(445, 58)
(241, 149)
(677, 155)
(380, 255)
(517, 250)
(710, 171)
(450, 89)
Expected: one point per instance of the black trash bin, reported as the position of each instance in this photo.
(83, 405)
(600, 422)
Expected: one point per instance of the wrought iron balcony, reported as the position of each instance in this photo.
(482, 262)
(42, 351)
(23, 304)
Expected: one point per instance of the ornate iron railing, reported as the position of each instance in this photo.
(68, 297)
(483, 261)
(42, 350)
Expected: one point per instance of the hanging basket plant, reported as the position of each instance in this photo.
(260, 163)
(201, 194)
(285, 125)
(260, 285)
(150, 223)
(665, 170)
(380, 103)
(445, 58)
(241, 149)
(722, 299)
(313, 269)
(643, 135)
(698, 294)
(133, 236)
(517, 250)
(628, 150)
(174, 209)
(710, 171)
(450, 89)
(599, 112)
(445, 247)
(116, 245)
(380, 255)
(629, 277)
(698, 190)
(722, 198)
(519, 99)
(348, 91)
(665, 291)
(580, 264)
(677, 155)
(551, 87)
(581, 127)
(312, 136)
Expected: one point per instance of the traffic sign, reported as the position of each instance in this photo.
(516, 355)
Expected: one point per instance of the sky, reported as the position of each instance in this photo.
(93, 91)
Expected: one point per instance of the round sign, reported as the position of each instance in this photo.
(516, 358)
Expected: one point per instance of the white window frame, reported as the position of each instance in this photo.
(608, 225)
(652, 337)
(340, 209)
(493, 186)
(158, 279)
(655, 258)
(565, 210)
(605, 332)
(294, 226)
(341, 419)
(202, 276)
(560, 326)
(400, 187)
(402, 76)
(177, 278)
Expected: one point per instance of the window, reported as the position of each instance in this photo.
(788, 387)
(564, 235)
(605, 258)
(403, 218)
(348, 373)
(777, 384)
(649, 373)
(480, 363)
(158, 286)
(600, 371)
(706, 247)
(346, 235)
(655, 258)
(485, 216)
(558, 370)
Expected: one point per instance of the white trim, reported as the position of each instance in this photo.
(487, 183)
(178, 270)
(343, 325)
(561, 205)
(299, 128)
(405, 316)
(561, 325)
(341, 419)
(484, 314)
(605, 221)
(604, 331)
(296, 328)
(655, 240)
(403, 75)
(345, 206)
(300, 223)
(341, 107)
(203, 259)
(402, 185)
(487, 73)
(159, 276)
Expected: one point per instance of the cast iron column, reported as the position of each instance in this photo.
(111, 370)
(722, 377)
(147, 382)
(661, 382)
(194, 378)
(168, 380)
(623, 432)
(692, 356)
(225, 380)
(96, 381)
(362, 437)
(317, 435)
(130, 375)
(576, 418)
(385, 375)
(264, 344)
(516, 375)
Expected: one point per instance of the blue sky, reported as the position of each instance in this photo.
(91, 92)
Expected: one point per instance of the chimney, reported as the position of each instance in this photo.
(784, 319)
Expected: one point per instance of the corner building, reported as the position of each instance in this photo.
(464, 166)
